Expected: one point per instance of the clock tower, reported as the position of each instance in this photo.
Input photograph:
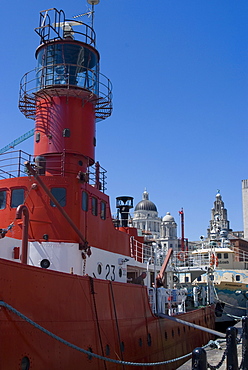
(219, 219)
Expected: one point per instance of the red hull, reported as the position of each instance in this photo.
(71, 307)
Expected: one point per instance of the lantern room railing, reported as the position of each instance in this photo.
(53, 26)
(63, 80)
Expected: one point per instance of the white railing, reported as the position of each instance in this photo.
(167, 301)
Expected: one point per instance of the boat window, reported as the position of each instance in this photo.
(2, 199)
(17, 198)
(199, 278)
(103, 210)
(237, 277)
(85, 201)
(94, 206)
(211, 277)
(225, 255)
(60, 196)
(219, 255)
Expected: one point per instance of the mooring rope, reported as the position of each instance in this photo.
(203, 328)
(89, 353)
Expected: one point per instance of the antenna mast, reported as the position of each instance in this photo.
(93, 3)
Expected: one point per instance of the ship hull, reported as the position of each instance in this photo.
(232, 298)
(107, 318)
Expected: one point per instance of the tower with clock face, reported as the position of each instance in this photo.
(219, 221)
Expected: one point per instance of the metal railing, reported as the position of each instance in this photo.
(54, 26)
(65, 80)
(12, 164)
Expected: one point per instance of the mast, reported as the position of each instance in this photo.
(182, 229)
(93, 3)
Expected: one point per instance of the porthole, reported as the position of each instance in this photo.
(46, 237)
(66, 132)
(45, 263)
(107, 350)
(25, 363)
(122, 347)
(37, 137)
(172, 333)
(89, 355)
(149, 339)
(165, 335)
(140, 342)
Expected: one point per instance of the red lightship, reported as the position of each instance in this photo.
(66, 269)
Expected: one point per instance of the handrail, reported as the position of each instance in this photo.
(43, 81)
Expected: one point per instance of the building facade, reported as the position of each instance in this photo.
(163, 231)
(146, 217)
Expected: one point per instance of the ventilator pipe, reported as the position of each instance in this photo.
(23, 210)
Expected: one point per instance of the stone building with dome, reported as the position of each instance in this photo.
(168, 232)
(154, 228)
(146, 217)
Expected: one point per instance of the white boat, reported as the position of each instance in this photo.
(217, 272)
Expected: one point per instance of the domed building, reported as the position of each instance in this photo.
(168, 234)
(146, 217)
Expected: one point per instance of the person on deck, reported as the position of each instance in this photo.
(140, 279)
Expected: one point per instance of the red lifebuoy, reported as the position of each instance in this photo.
(214, 260)
(182, 256)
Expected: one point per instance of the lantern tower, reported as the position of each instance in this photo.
(65, 94)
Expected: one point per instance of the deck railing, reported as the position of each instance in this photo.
(188, 260)
(12, 164)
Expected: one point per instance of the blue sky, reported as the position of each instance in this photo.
(179, 70)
